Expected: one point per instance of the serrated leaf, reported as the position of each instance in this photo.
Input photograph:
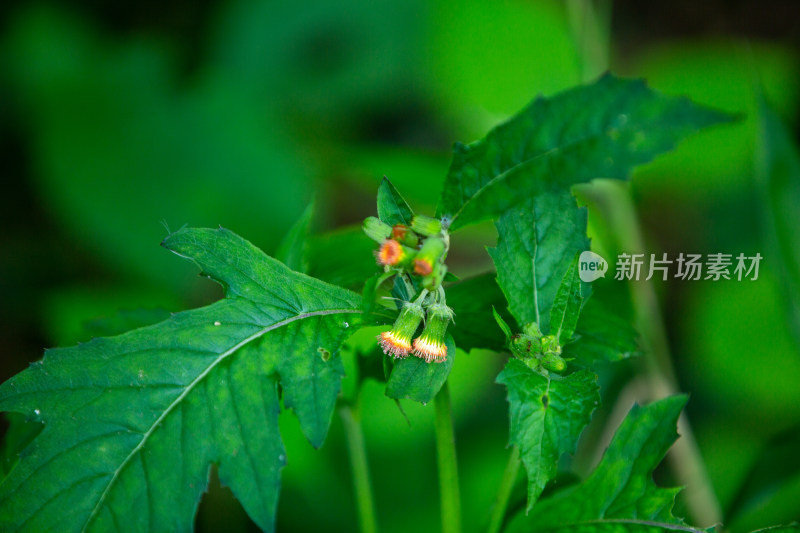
(621, 488)
(536, 241)
(547, 415)
(293, 249)
(567, 304)
(392, 208)
(601, 336)
(414, 379)
(133, 422)
(598, 130)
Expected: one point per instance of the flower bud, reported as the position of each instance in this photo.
(432, 249)
(525, 346)
(392, 253)
(550, 345)
(430, 345)
(434, 280)
(402, 234)
(397, 341)
(426, 226)
(554, 363)
(376, 230)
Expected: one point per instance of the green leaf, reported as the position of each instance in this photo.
(472, 301)
(293, 249)
(392, 208)
(537, 239)
(19, 434)
(133, 422)
(789, 528)
(122, 321)
(621, 488)
(598, 130)
(502, 323)
(547, 417)
(601, 336)
(621, 526)
(343, 257)
(567, 304)
(414, 379)
(778, 173)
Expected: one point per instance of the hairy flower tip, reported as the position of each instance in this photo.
(391, 253)
(430, 349)
(430, 345)
(394, 345)
(397, 341)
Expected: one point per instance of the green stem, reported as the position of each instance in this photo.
(351, 419)
(446, 459)
(504, 492)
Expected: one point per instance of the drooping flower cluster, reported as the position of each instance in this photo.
(416, 254)
(430, 344)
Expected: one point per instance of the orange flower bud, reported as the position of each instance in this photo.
(392, 253)
(404, 235)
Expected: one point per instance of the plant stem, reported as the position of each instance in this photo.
(351, 419)
(504, 492)
(446, 459)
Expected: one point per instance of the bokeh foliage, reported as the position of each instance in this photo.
(111, 129)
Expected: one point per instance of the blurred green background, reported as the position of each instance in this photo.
(119, 120)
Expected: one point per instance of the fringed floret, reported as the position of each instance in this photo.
(397, 341)
(430, 345)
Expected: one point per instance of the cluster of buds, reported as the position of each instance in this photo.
(419, 249)
(430, 345)
(540, 352)
(417, 253)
